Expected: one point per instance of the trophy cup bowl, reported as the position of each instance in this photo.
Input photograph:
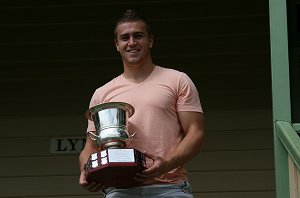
(114, 165)
(110, 120)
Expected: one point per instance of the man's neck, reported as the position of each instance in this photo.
(138, 73)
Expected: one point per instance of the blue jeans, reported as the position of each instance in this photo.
(159, 190)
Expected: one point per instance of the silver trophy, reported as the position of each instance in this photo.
(114, 164)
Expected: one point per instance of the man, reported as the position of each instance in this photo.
(168, 118)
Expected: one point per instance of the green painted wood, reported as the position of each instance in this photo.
(280, 61)
(281, 169)
(289, 139)
(296, 126)
(280, 90)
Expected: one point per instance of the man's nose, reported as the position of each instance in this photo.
(131, 41)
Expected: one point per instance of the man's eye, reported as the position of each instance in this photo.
(138, 36)
(125, 38)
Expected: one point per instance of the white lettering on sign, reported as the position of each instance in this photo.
(67, 145)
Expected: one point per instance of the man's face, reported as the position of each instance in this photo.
(133, 42)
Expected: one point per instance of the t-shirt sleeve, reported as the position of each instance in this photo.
(188, 96)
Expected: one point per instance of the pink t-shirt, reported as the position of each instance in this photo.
(156, 101)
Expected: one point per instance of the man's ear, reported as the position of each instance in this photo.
(151, 40)
(116, 44)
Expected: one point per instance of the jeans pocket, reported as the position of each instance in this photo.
(106, 191)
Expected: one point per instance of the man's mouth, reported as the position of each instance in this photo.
(133, 51)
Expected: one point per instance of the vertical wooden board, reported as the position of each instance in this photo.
(293, 178)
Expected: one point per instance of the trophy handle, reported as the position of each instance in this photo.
(92, 135)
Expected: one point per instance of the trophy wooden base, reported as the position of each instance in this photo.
(115, 167)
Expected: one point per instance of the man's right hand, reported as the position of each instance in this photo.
(90, 186)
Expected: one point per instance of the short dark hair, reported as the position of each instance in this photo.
(132, 16)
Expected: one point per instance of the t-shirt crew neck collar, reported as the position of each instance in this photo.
(142, 82)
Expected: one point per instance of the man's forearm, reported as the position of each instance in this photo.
(86, 152)
(83, 157)
(188, 148)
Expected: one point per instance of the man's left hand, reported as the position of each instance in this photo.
(158, 168)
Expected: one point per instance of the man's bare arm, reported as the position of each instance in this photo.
(193, 126)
